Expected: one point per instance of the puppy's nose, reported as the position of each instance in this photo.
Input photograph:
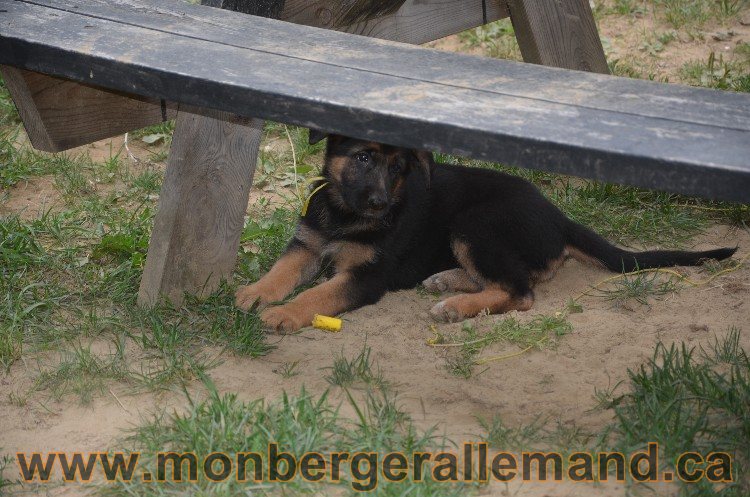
(376, 202)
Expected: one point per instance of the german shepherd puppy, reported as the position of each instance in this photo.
(390, 218)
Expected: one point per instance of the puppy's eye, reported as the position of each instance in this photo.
(362, 157)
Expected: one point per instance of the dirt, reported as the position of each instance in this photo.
(558, 384)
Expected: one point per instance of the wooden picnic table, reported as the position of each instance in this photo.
(82, 70)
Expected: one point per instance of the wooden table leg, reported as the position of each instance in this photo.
(560, 33)
(204, 197)
(202, 205)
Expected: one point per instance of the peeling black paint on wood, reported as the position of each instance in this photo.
(670, 137)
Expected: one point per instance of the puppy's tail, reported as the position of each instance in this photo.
(587, 246)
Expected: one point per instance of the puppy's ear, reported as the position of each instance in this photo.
(316, 136)
(425, 160)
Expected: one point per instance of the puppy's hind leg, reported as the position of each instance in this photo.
(493, 299)
(452, 280)
(504, 286)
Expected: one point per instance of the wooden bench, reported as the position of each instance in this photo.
(82, 70)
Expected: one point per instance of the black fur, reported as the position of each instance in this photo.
(511, 230)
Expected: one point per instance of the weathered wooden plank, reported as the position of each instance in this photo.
(596, 91)
(201, 207)
(558, 33)
(684, 156)
(60, 114)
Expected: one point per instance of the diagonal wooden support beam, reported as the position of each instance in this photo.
(59, 114)
(558, 33)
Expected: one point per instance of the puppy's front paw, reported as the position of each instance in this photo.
(249, 297)
(285, 318)
(446, 312)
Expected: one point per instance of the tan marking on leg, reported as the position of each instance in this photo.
(493, 298)
(463, 256)
(583, 257)
(452, 280)
(348, 255)
(328, 298)
(294, 268)
(552, 267)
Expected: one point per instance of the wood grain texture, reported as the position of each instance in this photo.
(672, 137)
(416, 21)
(202, 205)
(558, 33)
(204, 196)
(381, 57)
(59, 114)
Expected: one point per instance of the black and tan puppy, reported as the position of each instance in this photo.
(391, 218)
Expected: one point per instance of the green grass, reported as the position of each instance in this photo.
(497, 39)
(695, 13)
(8, 113)
(539, 333)
(70, 278)
(288, 369)
(82, 373)
(638, 287)
(6, 467)
(298, 424)
(500, 436)
(690, 400)
(684, 399)
(718, 73)
(356, 371)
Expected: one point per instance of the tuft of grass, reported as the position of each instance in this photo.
(541, 332)
(170, 354)
(638, 287)
(726, 350)
(350, 372)
(288, 369)
(246, 335)
(500, 436)
(605, 397)
(298, 424)
(681, 13)
(717, 73)
(5, 484)
(83, 373)
(20, 163)
(536, 434)
(497, 39)
(462, 362)
(689, 402)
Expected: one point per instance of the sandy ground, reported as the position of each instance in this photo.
(557, 384)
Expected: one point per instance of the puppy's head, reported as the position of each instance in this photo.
(368, 178)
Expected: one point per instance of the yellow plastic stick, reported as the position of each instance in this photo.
(326, 323)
